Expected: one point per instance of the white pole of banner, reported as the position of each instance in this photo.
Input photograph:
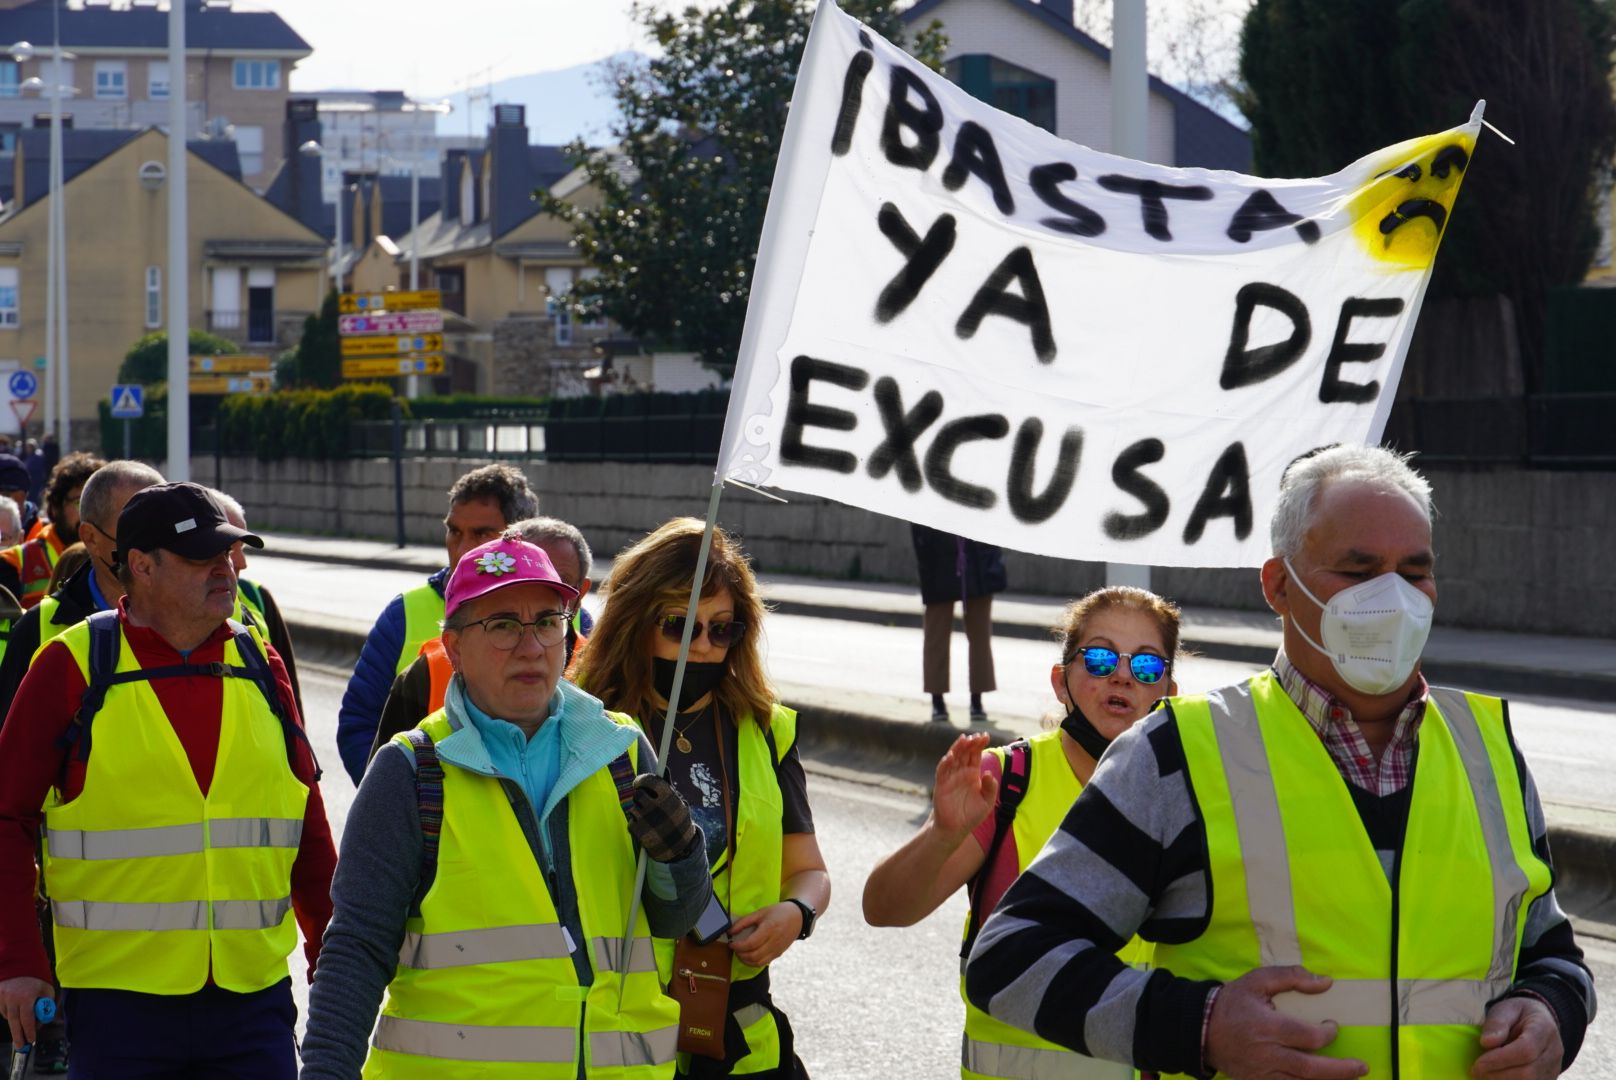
(179, 257)
(1130, 105)
(623, 955)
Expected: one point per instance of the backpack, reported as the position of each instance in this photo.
(1013, 782)
(106, 639)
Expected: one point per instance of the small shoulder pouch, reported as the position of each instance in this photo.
(700, 985)
(701, 973)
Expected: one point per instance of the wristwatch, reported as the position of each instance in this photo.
(809, 915)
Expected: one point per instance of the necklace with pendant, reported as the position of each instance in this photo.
(680, 741)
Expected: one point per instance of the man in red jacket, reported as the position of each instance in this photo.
(197, 820)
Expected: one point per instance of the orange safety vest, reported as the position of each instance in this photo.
(34, 560)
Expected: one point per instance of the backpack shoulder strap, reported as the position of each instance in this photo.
(255, 666)
(429, 804)
(1013, 780)
(105, 643)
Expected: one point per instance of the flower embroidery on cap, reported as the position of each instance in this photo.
(496, 563)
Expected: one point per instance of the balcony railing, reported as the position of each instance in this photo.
(246, 327)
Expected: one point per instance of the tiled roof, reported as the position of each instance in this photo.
(213, 28)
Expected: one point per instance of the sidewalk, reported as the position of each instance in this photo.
(863, 734)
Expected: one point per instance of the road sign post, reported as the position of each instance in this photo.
(128, 405)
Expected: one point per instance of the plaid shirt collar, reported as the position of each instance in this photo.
(1345, 741)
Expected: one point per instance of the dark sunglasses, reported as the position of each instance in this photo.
(1101, 663)
(721, 634)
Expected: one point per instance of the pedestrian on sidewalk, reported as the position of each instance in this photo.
(1335, 812)
(94, 587)
(498, 843)
(255, 606)
(1116, 662)
(956, 570)
(420, 690)
(482, 504)
(734, 759)
(183, 839)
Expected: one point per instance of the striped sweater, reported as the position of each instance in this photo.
(1131, 858)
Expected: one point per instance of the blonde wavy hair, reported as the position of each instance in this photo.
(651, 580)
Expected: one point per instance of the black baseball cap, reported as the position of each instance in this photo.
(13, 474)
(183, 518)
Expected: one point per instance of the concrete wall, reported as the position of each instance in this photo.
(1517, 550)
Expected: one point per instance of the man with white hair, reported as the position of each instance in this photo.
(1314, 911)
(254, 604)
(11, 532)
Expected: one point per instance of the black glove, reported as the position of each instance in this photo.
(659, 820)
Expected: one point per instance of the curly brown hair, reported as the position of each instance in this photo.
(650, 579)
(70, 473)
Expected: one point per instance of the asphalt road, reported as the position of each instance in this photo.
(867, 1002)
(1567, 743)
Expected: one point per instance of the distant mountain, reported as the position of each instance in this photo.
(561, 105)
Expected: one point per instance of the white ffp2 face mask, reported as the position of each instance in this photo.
(1373, 633)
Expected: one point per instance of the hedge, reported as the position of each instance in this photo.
(302, 423)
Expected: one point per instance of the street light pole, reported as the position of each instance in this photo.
(342, 193)
(179, 269)
(64, 410)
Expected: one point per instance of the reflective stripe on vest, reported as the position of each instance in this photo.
(490, 976)
(423, 621)
(1033, 1063)
(206, 876)
(991, 1047)
(1295, 879)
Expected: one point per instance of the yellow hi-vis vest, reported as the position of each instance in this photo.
(1295, 879)
(991, 1048)
(154, 885)
(423, 621)
(486, 983)
(748, 876)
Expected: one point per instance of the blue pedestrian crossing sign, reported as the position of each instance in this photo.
(23, 385)
(128, 401)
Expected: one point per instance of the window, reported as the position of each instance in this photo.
(558, 283)
(468, 196)
(250, 145)
(111, 80)
(154, 297)
(8, 138)
(8, 297)
(594, 320)
(257, 75)
(10, 78)
(157, 80)
(1005, 86)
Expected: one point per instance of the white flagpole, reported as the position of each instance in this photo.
(667, 721)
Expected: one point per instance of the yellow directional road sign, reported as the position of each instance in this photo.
(419, 300)
(232, 384)
(231, 365)
(392, 345)
(386, 367)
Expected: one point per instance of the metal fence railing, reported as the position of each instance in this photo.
(669, 439)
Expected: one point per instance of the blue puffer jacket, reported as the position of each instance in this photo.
(367, 691)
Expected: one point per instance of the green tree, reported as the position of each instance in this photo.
(319, 352)
(1326, 82)
(676, 232)
(146, 362)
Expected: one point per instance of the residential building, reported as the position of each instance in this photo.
(376, 132)
(1027, 57)
(255, 271)
(502, 265)
(237, 67)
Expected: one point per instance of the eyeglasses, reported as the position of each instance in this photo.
(505, 633)
(1101, 663)
(720, 634)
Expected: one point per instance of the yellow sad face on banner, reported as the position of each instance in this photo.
(1400, 214)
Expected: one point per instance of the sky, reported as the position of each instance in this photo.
(430, 48)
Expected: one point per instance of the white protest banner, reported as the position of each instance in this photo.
(962, 320)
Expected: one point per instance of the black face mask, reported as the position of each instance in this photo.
(700, 679)
(1081, 729)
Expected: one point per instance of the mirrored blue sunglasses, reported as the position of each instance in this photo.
(1101, 663)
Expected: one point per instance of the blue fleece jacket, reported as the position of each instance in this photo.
(361, 710)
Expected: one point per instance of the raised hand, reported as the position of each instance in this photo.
(963, 795)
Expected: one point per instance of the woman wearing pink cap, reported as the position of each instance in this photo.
(457, 891)
(733, 758)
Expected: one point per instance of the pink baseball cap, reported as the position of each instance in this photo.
(497, 564)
